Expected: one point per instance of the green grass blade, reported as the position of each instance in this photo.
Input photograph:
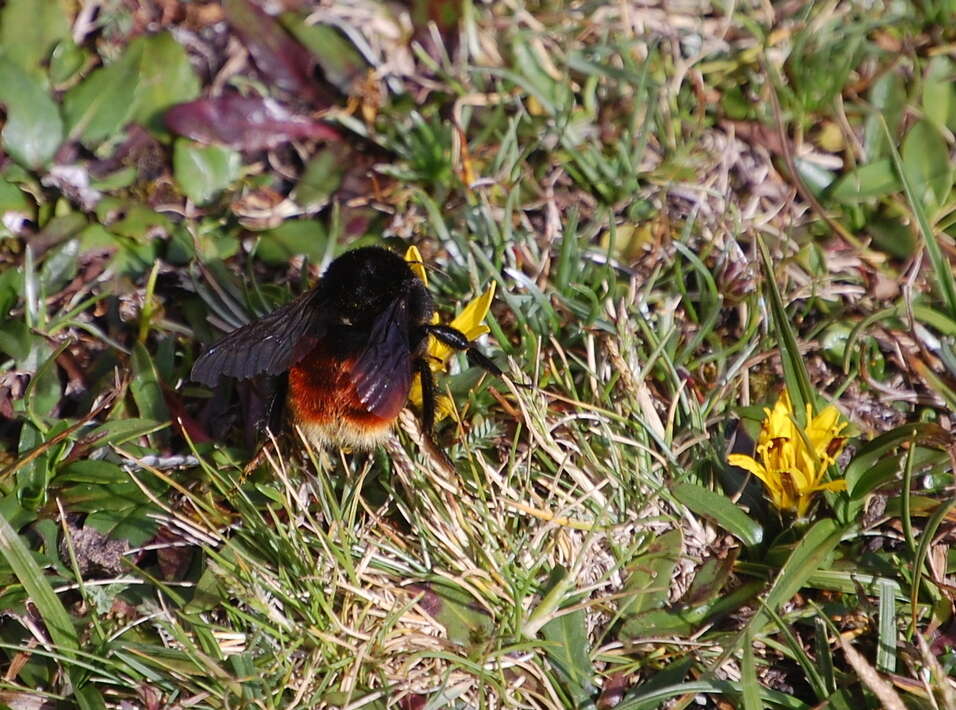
(748, 676)
(656, 698)
(54, 615)
(794, 369)
(926, 539)
(941, 266)
(809, 666)
(886, 642)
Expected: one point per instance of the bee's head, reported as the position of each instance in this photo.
(364, 282)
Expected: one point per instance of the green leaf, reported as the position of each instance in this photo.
(17, 340)
(92, 471)
(135, 524)
(888, 97)
(886, 644)
(794, 368)
(307, 237)
(567, 648)
(649, 583)
(55, 617)
(943, 270)
(656, 697)
(29, 30)
(147, 391)
(99, 106)
(120, 431)
(805, 559)
(866, 182)
(891, 234)
(340, 61)
(320, 179)
(67, 59)
(464, 622)
(927, 165)
(718, 508)
(204, 171)
(165, 78)
(33, 130)
(939, 95)
(748, 676)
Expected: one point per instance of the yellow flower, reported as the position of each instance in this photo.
(469, 322)
(792, 460)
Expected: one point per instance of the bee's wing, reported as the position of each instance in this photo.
(382, 373)
(269, 346)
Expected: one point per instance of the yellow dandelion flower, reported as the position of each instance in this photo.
(792, 461)
(469, 322)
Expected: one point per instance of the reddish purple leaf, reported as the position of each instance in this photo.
(279, 57)
(246, 123)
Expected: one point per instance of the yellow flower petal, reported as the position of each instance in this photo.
(748, 463)
(469, 322)
(415, 262)
(792, 460)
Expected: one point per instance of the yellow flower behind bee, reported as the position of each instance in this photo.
(469, 322)
(792, 461)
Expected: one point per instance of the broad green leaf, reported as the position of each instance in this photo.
(165, 78)
(681, 619)
(888, 98)
(320, 179)
(120, 431)
(888, 468)
(814, 547)
(17, 339)
(939, 92)
(147, 390)
(94, 471)
(33, 130)
(204, 171)
(872, 452)
(29, 29)
(136, 524)
(650, 575)
(464, 621)
(100, 105)
(891, 235)
(867, 182)
(927, 166)
(67, 59)
(718, 508)
(59, 266)
(32, 479)
(567, 648)
(308, 237)
(45, 390)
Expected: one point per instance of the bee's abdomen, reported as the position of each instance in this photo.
(322, 401)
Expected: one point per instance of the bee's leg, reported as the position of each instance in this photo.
(454, 338)
(428, 414)
(428, 396)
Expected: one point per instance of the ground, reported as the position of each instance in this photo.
(716, 471)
